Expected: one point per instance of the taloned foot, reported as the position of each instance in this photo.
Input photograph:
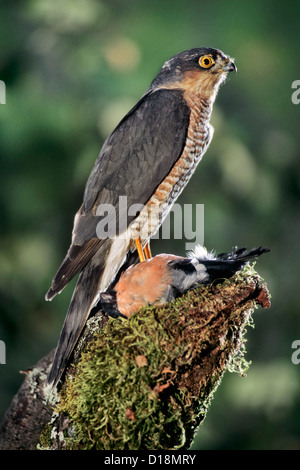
(145, 253)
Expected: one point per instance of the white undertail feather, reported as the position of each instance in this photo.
(116, 257)
(201, 252)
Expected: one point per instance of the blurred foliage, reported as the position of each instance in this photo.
(72, 69)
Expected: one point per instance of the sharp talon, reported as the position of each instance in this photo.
(147, 251)
(140, 250)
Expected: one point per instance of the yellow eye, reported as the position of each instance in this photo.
(206, 61)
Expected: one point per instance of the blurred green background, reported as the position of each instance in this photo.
(72, 69)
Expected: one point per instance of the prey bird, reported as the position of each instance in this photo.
(165, 277)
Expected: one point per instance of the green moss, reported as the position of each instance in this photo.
(147, 382)
(45, 437)
(116, 398)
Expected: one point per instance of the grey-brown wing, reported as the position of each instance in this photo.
(134, 160)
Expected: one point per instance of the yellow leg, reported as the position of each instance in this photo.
(147, 251)
(140, 250)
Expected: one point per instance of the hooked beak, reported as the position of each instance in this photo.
(230, 66)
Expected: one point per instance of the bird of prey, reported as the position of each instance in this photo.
(148, 158)
(165, 277)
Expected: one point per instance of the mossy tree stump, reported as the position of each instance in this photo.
(148, 381)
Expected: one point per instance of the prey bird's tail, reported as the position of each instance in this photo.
(226, 265)
(202, 267)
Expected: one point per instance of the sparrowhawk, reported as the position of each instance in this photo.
(148, 158)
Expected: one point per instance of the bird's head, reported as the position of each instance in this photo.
(200, 70)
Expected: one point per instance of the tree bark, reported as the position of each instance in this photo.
(28, 412)
(195, 340)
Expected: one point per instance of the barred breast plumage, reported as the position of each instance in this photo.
(198, 138)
